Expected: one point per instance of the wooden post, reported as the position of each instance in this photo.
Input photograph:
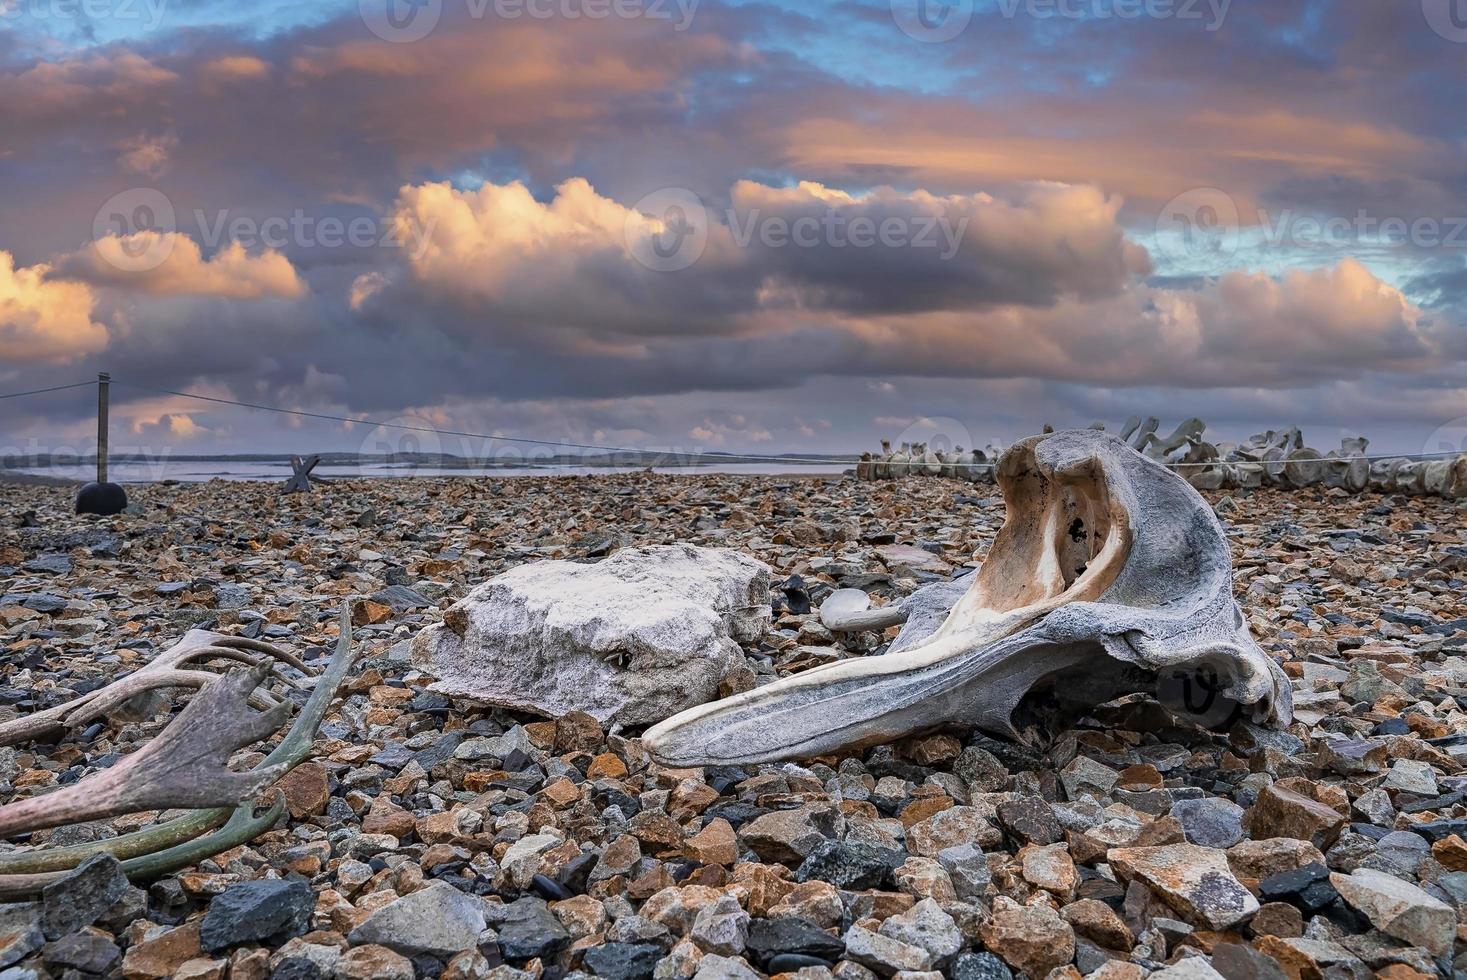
(104, 382)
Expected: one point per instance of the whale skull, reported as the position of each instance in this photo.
(1110, 576)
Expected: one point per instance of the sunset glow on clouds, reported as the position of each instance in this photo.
(985, 228)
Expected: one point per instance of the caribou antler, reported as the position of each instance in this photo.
(185, 766)
(164, 671)
(180, 770)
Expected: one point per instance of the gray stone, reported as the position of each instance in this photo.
(82, 896)
(791, 835)
(1411, 776)
(981, 966)
(967, 866)
(882, 954)
(20, 932)
(1210, 822)
(528, 929)
(1400, 909)
(715, 967)
(848, 865)
(635, 638)
(623, 961)
(722, 927)
(86, 951)
(437, 919)
(928, 926)
(267, 909)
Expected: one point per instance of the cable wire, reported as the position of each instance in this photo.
(42, 391)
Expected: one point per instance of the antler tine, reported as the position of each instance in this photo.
(259, 646)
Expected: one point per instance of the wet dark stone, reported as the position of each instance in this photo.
(623, 961)
(549, 889)
(771, 937)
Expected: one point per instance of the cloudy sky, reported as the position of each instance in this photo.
(712, 224)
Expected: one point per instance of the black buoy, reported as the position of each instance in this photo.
(104, 499)
(101, 498)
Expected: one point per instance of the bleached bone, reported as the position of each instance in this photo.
(1158, 448)
(883, 461)
(185, 766)
(1143, 434)
(1304, 468)
(849, 610)
(1110, 576)
(130, 695)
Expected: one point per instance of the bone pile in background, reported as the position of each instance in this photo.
(1267, 459)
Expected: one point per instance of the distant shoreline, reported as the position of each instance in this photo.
(10, 478)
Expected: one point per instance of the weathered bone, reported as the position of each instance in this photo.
(1110, 576)
(185, 766)
(186, 840)
(164, 671)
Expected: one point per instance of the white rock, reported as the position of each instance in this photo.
(1398, 908)
(715, 967)
(883, 954)
(640, 636)
(926, 925)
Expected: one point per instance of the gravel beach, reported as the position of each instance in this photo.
(1129, 846)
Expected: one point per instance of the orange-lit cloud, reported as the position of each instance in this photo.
(172, 264)
(45, 319)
